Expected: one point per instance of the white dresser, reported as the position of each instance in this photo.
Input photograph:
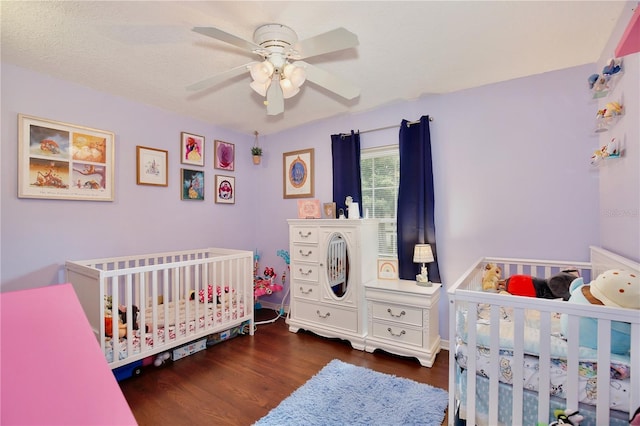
(403, 319)
(331, 260)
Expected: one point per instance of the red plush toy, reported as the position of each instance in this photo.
(555, 287)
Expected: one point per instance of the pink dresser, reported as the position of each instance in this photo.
(52, 371)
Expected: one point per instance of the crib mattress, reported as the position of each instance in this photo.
(215, 314)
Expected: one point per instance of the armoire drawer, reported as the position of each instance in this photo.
(303, 234)
(397, 313)
(306, 253)
(328, 316)
(305, 272)
(303, 290)
(397, 333)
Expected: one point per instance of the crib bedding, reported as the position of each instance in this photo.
(213, 314)
(532, 336)
(529, 407)
(619, 368)
(619, 388)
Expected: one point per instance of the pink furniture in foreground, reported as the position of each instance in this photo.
(52, 371)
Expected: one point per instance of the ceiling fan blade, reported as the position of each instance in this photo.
(219, 78)
(330, 41)
(227, 38)
(329, 81)
(275, 98)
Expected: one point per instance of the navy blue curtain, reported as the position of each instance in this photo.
(345, 151)
(415, 199)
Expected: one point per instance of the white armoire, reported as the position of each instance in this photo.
(331, 260)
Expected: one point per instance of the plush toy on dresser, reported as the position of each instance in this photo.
(615, 288)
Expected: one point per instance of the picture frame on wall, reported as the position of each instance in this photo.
(224, 155)
(152, 166)
(225, 189)
(297, 174)
(191, 184)
(64, 161)
(191, 149)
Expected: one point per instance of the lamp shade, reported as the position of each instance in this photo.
(261, 71)
(422, 253)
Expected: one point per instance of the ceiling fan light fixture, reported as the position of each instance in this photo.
(260, 88)
(288, 88)
(296, 74)
(261, 71)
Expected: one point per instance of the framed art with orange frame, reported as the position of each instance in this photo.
(191, 149)
(64, 161)
(297, 170)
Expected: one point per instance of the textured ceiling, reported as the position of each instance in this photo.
(146, 51)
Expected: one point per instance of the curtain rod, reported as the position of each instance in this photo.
(385, 128)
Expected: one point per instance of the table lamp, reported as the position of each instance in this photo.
(422, 253)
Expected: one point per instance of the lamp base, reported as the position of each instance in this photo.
(424, 284)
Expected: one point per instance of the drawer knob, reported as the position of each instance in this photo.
(396, 334)
(323, 316)
(305, 292)
(394, 315)
(305, 273)
(307, 254)
(307, 235)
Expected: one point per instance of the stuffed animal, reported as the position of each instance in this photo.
(616, 288)
(612, 109)
(491, 277)
(613, 66)
(566, 417)
(556, 287)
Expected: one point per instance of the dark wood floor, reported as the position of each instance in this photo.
(240, 380)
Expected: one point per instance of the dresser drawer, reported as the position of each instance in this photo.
(397, 313)
(305, 253)
(305, 272)
(304, 290)
(397, 333)
(304, 234)
(328, 316)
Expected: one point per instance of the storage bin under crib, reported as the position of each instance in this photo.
(143, 305)
(524, 366)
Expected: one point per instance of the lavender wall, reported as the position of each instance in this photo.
(39, 235)
(619, 216)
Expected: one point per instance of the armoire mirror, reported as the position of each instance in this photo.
(338, 265)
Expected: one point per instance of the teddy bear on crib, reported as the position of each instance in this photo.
(615, 287)
(491, 276)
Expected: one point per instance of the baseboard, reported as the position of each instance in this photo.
(444, 345)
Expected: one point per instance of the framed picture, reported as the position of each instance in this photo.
(64, 161)
(387, 269)
(152, 166)
(192, 184)
(309, 209)
(297, 174)
(329, 210)
(224, 156)
(225, 189)
(191, 149)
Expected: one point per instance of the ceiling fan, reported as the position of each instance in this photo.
(281, 72)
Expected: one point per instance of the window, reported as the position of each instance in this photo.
(380, 175)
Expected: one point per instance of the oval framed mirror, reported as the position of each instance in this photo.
(338, 265)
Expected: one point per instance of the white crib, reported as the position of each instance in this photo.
(478, 326)
(175, 298)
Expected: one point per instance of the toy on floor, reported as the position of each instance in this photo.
(161, 359)
(567, 417)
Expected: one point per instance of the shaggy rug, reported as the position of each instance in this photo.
(345, 394)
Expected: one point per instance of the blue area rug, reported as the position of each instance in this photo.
(345, 394)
